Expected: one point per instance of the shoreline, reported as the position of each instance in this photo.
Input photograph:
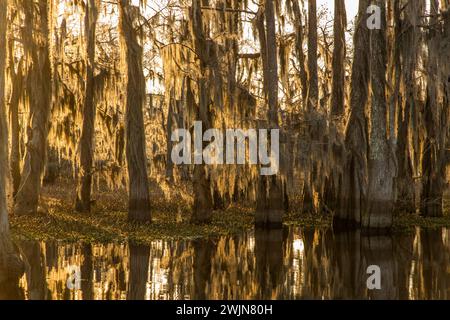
(107, 223)
(113, 227)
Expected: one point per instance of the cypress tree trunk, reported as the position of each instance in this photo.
(331, 183)
(139, 198)
(397, 124)
(338, 78)
(270, 195)
(436, 116)
(170, 127)
(408, 52)
(353, 191)
(312, 103)
(84, 186)
(14, 102)
(17, 79)
(299, 48)
(272, 65)
(380, 163)
(413, 131)
(11, 267)
(4, 226)
(313, 88)
(36, 47)
(203, 202)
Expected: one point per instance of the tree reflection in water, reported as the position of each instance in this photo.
(264, 264)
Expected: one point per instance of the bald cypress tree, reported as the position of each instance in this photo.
(338, 67)
(380, 162)
(313, 88)
(353, 189)
(4, 226)
(270, 195)
(437, 108)
(36, 48)
(10, 265)
(84, 186)
(139, 198)
(299, 40)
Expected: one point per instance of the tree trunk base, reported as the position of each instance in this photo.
(378, 216)
(433, 208)
(270, 218)
(270, 205)
(139, 211)
(83, 197)
(203, 201)
(308, 205)
(24, 208)
(82, 206)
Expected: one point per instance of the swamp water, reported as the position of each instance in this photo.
(293, 263)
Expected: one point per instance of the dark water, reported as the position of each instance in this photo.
(287, 264)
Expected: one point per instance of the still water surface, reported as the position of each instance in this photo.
(293, 263)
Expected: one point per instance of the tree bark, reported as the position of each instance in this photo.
(84, 185)
(272, 65)
(399, 115)
(353, 191)
(299, 48)
(139, 198)
(206, 50)
(14, 102)
(4, 225)
(313, 88)
(270, 196)
(170, 128)
(338, 90)
(380, 162)
(36, 46)
(11, 266)
(436, 117)
(413, 44)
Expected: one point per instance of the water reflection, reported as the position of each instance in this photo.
(265, 264)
